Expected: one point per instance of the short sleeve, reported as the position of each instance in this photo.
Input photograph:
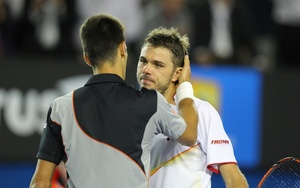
(51, 147)
(214, 139)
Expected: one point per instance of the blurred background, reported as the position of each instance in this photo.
(244, 56)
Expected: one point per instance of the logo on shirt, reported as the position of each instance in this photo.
(220, 142)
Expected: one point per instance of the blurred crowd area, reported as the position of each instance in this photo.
(258, 33)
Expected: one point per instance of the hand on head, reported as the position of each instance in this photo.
(185, 72)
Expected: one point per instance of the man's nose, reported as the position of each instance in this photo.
(147, 68)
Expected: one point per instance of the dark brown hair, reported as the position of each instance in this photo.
(100, 37)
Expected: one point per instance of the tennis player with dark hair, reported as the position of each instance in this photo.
(103, 130)
(173, 165)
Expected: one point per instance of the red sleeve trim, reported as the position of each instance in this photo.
(214, 169)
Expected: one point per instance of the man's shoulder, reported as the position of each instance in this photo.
(63, 98)
(202, 104)
(148, 92)
(145, 90)
(199, 101)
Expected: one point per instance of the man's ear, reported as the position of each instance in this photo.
(123, 48)
(176, 74)
(87, 60)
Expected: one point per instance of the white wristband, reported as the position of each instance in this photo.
(184, 90)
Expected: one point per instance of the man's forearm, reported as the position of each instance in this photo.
(187, 110)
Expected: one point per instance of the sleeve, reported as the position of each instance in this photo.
(51, 147)
(169, 123)
(214, 139)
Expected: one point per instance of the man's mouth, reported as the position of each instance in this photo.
(146, 80)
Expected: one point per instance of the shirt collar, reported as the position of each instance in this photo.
(104, 78)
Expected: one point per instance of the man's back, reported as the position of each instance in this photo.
(107, 133)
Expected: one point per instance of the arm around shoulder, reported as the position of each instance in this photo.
(43, 174)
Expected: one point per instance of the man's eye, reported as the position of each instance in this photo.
(158, 65)
(143, 61)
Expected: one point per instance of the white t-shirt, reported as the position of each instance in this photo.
(177, 166)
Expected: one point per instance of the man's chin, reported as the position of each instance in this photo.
(148, 86)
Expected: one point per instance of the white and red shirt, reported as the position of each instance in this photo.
(177, 166)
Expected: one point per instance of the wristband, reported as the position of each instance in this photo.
(184, 90)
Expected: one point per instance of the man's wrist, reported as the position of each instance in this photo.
(184, 90)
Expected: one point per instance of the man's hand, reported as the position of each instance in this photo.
(186, 71)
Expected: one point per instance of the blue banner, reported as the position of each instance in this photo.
(236, 93)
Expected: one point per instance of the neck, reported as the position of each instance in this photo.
(108, 68)
(169, 94)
